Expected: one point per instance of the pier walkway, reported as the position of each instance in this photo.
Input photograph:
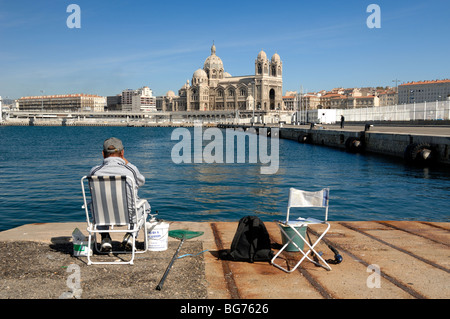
(433, 130)
(413, 143)
(381, 260)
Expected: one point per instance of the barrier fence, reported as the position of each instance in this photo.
(438, 110)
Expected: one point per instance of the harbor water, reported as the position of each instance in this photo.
(41, 168)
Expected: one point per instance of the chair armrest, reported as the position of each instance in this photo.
(141, 202)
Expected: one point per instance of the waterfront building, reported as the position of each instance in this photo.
(114, 103)
(311, 101)
(333, 101)
(140, 100)
(341, 98)
(424, 91)
(63, 103)
(290, 101)
(387, 97)
(362, 101)
(213, 89)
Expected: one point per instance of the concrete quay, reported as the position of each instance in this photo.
(381, 260)
(394, 140)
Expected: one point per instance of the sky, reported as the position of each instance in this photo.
(130, 44)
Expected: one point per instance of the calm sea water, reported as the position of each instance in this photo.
(41, 168)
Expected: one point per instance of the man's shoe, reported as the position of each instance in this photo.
(106, 244)
(127, 242)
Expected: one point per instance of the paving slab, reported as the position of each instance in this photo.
(381, 260)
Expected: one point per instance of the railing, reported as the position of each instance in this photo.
(438, 110)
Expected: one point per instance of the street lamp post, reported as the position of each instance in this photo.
(396, 88)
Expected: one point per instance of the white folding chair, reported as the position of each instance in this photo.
(114, 204)
(299, 198)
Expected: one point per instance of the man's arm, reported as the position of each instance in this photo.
(140, 179)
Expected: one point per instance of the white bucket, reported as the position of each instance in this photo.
(80, 244)
(80, 248)
(158, 235)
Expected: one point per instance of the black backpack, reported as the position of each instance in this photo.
(251, 242)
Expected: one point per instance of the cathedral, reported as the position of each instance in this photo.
(213, 89)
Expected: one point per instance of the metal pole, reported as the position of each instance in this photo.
(448, 105)
(425, 111)
(435, 112)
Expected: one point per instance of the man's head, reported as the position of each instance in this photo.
(112, 147)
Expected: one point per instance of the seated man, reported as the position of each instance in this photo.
(114, 163)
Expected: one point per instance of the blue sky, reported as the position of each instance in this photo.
(130, 44)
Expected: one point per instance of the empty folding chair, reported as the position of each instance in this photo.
(113, 203)
(297, 228)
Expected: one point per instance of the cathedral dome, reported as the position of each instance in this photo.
(276, 58)
(262, 55)
(199, 77)
(170, 94)
(200, 74)
(213, 61)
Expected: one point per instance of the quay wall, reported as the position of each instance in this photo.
(390, 144)
(22, 122)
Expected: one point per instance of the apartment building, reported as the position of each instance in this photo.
(387, 97)
(140, 100)
(291, 101)
(362, 101)
(63, 103)
(424, 91)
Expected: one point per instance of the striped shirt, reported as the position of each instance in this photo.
(113, 166)
(116, 166)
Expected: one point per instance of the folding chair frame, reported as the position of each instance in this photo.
(93, 227)
(290, 240)
(310, 250)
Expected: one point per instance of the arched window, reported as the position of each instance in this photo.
(272, 99)
(259, 68)
(274, 71)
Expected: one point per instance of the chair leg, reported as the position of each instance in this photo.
(312, 250)
(145, 235)
(326, 265)
(289, 241)
(89, 253)
(305, 255)
(130, 262)
(133, 249)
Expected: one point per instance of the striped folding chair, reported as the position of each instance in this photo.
(294, 230)
(113, 203)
